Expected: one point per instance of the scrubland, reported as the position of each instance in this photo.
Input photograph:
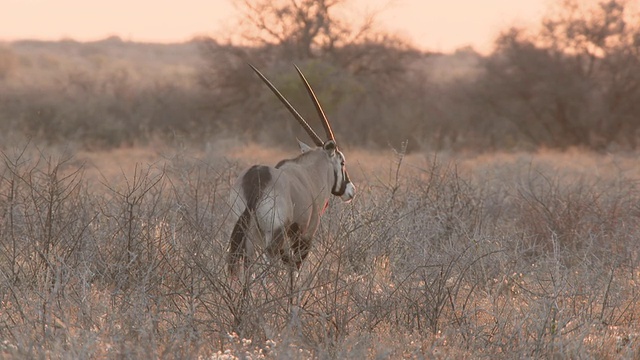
(120, 254)
(475, 242)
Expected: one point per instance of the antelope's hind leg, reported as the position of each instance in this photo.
(237, 244)
(291, 247)
(296, 249)
(300, 245)
(299, 249)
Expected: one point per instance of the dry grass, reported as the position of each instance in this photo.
(120, 254)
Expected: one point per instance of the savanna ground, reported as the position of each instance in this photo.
(120, 254)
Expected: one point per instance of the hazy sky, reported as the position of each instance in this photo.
(441, 25)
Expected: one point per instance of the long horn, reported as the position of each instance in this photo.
(321, 114)
(316, 139)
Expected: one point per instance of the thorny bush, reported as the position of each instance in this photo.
(461, 264)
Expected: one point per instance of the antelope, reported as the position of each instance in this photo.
(278, 209)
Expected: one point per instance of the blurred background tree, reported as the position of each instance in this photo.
(576, 82)
(355, 68)
(7, 62)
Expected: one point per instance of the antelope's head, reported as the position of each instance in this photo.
(342, 185)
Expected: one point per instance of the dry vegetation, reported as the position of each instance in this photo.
(121, 254)
(116, 162)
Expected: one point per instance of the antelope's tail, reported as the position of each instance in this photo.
(237, 248)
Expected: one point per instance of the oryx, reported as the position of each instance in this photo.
(278, 208)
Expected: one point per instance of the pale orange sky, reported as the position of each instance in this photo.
(436, 25)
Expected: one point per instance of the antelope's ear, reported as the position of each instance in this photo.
(330, 147)
(303, 147)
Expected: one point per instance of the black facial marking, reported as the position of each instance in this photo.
(345, 179)
(343, 185)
